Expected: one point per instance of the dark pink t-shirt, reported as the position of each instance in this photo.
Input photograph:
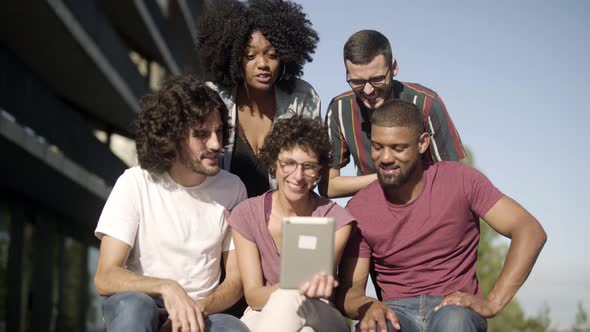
(428, 246)
(250, 219)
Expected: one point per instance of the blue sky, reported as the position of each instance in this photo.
(513, 77)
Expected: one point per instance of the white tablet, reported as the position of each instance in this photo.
(307, 248)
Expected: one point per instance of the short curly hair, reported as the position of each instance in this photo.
(225, 31)
(167, 115)
(307, 133)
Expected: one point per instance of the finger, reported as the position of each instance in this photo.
(184, 325)
(192, 321)
(175, 325)
(392, 317)
(304, 288)
(363, 326)
(329, 288)
(321, 289)
(313, 286)
(201, 320)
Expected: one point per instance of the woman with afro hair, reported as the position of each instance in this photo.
(254, 51)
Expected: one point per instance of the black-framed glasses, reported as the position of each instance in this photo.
(289, 166)
(376, 82)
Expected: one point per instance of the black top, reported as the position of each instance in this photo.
(248, 167)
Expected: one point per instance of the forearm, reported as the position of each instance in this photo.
(354, 303)
(524, 249)
(119, 279)
(258, 297)
(342, 186)
(224, 296)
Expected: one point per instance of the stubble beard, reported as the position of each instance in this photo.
(394, 182)
(196, 165)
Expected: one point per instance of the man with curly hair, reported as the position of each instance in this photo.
(254, 52)
(163, 229)
(370, 71)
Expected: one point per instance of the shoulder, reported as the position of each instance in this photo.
(227, 180)
(329, 208)
(302, 100)
(249, 204)
(137, 175)
(453, 173)
(302, 90)
(418, 89)
(227, 94)
(345, 98)
(364, 196)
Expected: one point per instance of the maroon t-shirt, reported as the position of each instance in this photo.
(250, 219)
(428, 246)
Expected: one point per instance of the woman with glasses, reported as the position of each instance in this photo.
(254, 52)
(296, 152)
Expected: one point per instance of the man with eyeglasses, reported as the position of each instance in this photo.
(370, 69)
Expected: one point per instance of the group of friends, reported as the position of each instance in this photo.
(224, 158)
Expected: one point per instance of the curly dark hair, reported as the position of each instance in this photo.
(225, 31)
(166, 116)
(305, 132)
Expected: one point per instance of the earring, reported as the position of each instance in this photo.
(283, 73)
(317, 180)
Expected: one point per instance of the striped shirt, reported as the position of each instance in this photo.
(350, 127)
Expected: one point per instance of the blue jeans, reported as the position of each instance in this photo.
(416, 314)
(135, 311)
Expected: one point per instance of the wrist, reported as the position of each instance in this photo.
(167, 287)
(495, 304)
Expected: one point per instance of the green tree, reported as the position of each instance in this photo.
(581, 323)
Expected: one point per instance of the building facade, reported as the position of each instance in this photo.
(71, 75)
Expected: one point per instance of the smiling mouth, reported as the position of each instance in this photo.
(389, 169)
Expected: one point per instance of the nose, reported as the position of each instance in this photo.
(368, 88)
(387, 156)
(262, 62)
(298, 173)
(214, 142)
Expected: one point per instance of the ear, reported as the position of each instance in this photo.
(423, 142)
(394, 67)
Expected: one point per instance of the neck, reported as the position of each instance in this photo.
(185, 176)
(259, 101)
(302, 208)
(408, 191)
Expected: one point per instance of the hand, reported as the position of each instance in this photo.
(484, 307)
(377, 315)
(184, 313)
(320, 287)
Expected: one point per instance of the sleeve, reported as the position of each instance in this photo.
(241, 194)
(479, 190)
(445, 143)
(228, 243)
(340, 215)
(312, 105)
(357, 246)
(120, 215)
(239, 220)
(340, 151)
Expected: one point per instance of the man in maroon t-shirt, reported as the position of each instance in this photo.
(418, 231)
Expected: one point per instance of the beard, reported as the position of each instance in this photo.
(396, 181)
(195, 164)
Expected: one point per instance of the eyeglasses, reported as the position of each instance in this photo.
(376, 82)
(289, 166)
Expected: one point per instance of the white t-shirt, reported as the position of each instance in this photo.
(175, 232)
